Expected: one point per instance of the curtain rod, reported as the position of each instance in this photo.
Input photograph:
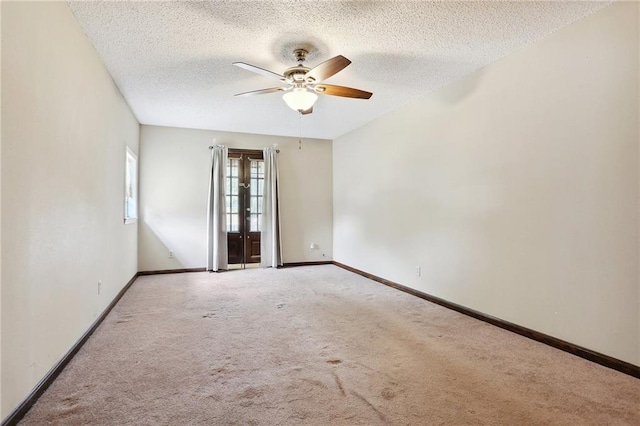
(211, 147)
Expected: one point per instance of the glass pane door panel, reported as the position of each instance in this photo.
(257, 182)
(232, 202)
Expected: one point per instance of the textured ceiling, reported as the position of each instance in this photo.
(172, 60)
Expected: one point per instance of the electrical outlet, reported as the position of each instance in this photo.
(170, 254)
(99, 286)
(313, 247)
(418, 271)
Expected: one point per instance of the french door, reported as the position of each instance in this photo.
(244, 186)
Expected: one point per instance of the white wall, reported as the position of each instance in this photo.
(1, 416)
(515, 189)
(174, 180)
(64, 131)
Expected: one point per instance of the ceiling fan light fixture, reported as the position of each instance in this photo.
(300, 99)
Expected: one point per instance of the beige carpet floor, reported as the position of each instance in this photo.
(317, 346)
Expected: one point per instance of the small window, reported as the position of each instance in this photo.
(131, 188)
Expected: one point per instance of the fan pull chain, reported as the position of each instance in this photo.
(300, 133)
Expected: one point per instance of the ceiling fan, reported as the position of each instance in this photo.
(303, 83)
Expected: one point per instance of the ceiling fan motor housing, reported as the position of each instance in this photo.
(296, 74)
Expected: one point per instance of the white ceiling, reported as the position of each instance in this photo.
(172, 60)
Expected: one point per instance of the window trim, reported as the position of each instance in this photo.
(130, 184)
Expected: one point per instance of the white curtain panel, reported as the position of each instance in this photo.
(270, 245)
(217, 217)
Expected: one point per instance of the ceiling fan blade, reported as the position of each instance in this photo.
(346, 92)
(258, 70)
(327, 68)
(262, 91)
(307, 111)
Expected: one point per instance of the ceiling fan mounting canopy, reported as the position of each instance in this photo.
(303, 81)
(301, 54)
